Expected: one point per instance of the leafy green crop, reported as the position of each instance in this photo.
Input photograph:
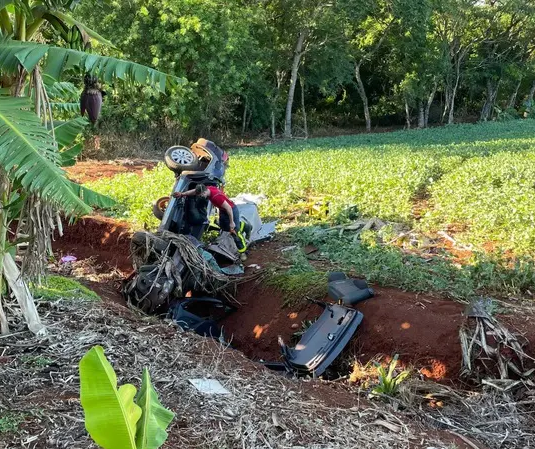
(477, 178)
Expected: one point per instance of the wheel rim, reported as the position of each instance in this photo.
(162, 204)
(182, 156)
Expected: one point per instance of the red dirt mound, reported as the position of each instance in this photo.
(107, 240)
(423, 331)
(87, 171)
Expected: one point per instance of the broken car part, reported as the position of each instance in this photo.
(323, 341)
(347, 291)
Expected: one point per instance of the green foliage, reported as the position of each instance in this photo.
(388, 380)
(10, 421)
(134, 196)
(58, 287)
(299, 282)
(29, 152)
(112, 417)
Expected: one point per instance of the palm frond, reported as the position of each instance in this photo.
(72, 108)
(59, 60)
(72, 21)
(67, 132)
(29, 154)
(61, 90)
(68, 157)
(91, 197)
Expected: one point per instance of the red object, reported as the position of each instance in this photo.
(218, 198)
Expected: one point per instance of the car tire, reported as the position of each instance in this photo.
(179, 159)
(159, 207)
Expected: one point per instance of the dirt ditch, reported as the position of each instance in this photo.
(422, 329)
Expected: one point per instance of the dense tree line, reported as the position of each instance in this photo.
(290, 65)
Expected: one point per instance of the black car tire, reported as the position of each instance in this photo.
(159, 207)
(179, 159)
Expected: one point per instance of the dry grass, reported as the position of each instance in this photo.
(40, 381)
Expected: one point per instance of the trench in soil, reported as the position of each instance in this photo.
(422, 329)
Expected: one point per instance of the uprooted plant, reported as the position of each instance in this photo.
(118, 418)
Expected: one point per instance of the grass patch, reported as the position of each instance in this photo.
(59, 287)
(10, 421)
(477, 182)
(300, 281)
(390, 266)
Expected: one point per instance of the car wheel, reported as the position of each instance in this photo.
(179, 158)
(159, 207)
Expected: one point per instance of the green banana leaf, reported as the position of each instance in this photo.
(155, 419)
(67, 132)
(29, 154)
(110, 414)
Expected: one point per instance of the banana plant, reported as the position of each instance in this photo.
(118, 418)
(23, 19)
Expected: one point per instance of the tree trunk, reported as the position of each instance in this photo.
(364, 98)
(512, 99)
(4, 199)
(447, 96)
(531, 94)
(452, 98)
(298, 52)
(244, 118)
(407, 114)
(279, 78)
(421, 115)
(429, 104)
(492, 93)
(305, 124)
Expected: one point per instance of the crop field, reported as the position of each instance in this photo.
(476, 180)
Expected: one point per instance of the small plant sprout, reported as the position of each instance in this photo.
(389, 379)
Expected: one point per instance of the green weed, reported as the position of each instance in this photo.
(37, 362)
(389, 380)
(10, 421)
(390, 266)
(300, 281)
(58, 287)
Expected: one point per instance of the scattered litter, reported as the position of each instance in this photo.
(209, 386)
(387, 425)
(68, 259)
(288, 248)
(255, 266)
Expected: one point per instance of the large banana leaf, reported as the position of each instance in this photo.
(71, 21)
(67, 132)
(110, 414)
(91, 197)
(29, 154)
(155, 418)
(58, 60)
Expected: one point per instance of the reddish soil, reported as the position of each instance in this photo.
(422, 329)
(105, 239)
(87, 171)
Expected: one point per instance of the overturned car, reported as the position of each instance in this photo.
(174, 262)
